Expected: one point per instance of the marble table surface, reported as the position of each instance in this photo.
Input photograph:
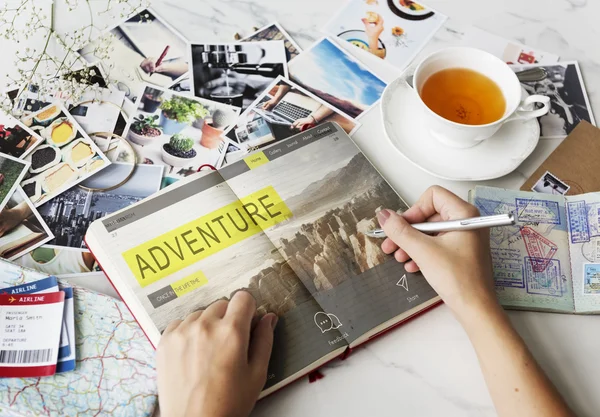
(427, 367)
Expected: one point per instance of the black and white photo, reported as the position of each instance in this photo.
(550, 184)
(70, 214)
(569, 103)
(236, 73)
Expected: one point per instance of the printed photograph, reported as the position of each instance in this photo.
(66, 156)
(182, 85)
(69, 215)
(12, 172)
(143, 49)
(16, 139)
(54, 260)
(179, 132)
(334, 76)
(282, 111)
(236, 73)
(550, 184)
(96, 109)
(394, 31)
(21, 227)
(569, 103)
(274, 32)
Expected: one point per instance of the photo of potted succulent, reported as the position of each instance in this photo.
(179, 112)
(144, 129)
(179, 151)
(212, 132)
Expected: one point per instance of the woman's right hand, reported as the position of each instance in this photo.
(456, 264)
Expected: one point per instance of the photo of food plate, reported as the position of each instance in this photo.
(44, 157)
(60, 132)
(78, 153)
(410, 10)
(66, 156)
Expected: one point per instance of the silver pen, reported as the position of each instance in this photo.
(454, 225)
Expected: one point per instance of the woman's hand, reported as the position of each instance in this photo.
(213, 364)
(456, 264)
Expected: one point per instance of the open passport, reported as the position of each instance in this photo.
(550, 259)
(286, 224)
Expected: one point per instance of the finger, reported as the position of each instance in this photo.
(241, 310)
(401, 256)
(402, 233)
(172, 326)
(388, 246)
(192, 317)
(411, 267)
(439, 200)
(216, 309)
(261, 345)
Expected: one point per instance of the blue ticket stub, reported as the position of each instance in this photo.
(507, 266)
(591, 279)
(579, 228)
(546, 282)
(537, 211)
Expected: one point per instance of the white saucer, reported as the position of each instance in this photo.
(402, 115)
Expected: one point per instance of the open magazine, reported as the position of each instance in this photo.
(550, 259)
(286, 224)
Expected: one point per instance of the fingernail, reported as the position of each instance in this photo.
(274, 321)
(382, 216)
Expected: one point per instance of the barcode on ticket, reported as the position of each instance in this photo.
(25, 356)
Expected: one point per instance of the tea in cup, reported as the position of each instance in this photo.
(468, 94)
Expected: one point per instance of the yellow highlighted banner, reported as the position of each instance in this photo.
(189, 283)
(205, 236)
(256, 159)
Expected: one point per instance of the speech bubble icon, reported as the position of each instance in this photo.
(323, 322)
(335, 322)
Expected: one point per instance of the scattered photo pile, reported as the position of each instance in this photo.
(12, 172)
(569, 103)
(16, 139)
(334, 76)
(65, 158)
(394, 31)
(70, 214)
(21, 227)
(283, 110)
(142, 49)
(274, 32)
(179, 132)
(236, 73)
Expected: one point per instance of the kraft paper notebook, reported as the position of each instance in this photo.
(287, 224)
(550, 259)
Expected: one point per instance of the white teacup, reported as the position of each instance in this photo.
(460, 135)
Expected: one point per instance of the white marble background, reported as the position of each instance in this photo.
(427, 367)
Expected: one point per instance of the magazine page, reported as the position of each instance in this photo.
(583, 215)
(196, 242)
(333, 193)
(530, 259)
